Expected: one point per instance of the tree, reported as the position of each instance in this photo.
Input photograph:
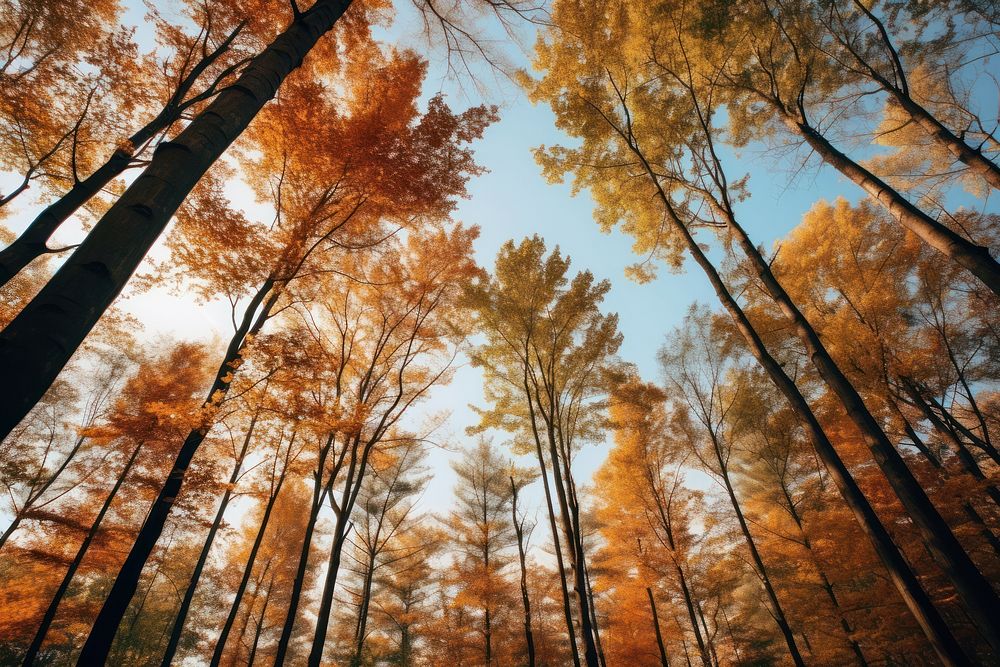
(547, 358)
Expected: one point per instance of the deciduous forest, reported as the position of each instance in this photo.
(311, 351)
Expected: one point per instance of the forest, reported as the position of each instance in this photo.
(500, 333)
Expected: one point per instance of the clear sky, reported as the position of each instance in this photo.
(512, 201)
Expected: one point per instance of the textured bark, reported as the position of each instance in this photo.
(656, 626)
(50, 612)
(177, 629)
(41, 339)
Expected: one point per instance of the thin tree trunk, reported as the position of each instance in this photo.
(656, 626)
(361, 629)
(40, 340)
(556, 541)
(525, 600)
(709, 637)
(570, 521)
(824, 581)
(50, 612)
(973, 588)
(668, 530)
(32, 242)
(178, 625)
(220, 645)
(776, 611)
(593, 618)
(916, 599)
(974, 258)
(95, 650)
(320, 490)
(35, 494)
(260, 622)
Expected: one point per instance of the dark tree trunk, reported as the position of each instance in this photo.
(656, 627)
(973, 588)
(570, 521)
(35, 494)
(220, 645)
(916, 599)
(260, 623)
(95, 650)
(776, 611)
(556, 541)
(320, 490)
(50, 612)
(525, 599)
(974, 258)
(178, 625)
(41, 339)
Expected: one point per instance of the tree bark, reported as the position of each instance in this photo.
(973, 588)
(178, 625)
(41, 339)
(776, 611)
(916, 599)
(320, 490)
(556, 542)
(974, 258)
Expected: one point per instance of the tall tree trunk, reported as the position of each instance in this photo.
(525, 600)
(593, 618)
(361, 629)
(320, 490)
(570, 521)
(352, 484)
(260, 622)
(33, 241)
(776, 611)
(668, 530)
(95, 650)
(41, 339)
(916, 599)
(556, 541)
(974, 258)
(178, 625)
(824, 581)
(656, 627)
(900, 91)
(220, 645)
(973, 588)
(50, 612)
